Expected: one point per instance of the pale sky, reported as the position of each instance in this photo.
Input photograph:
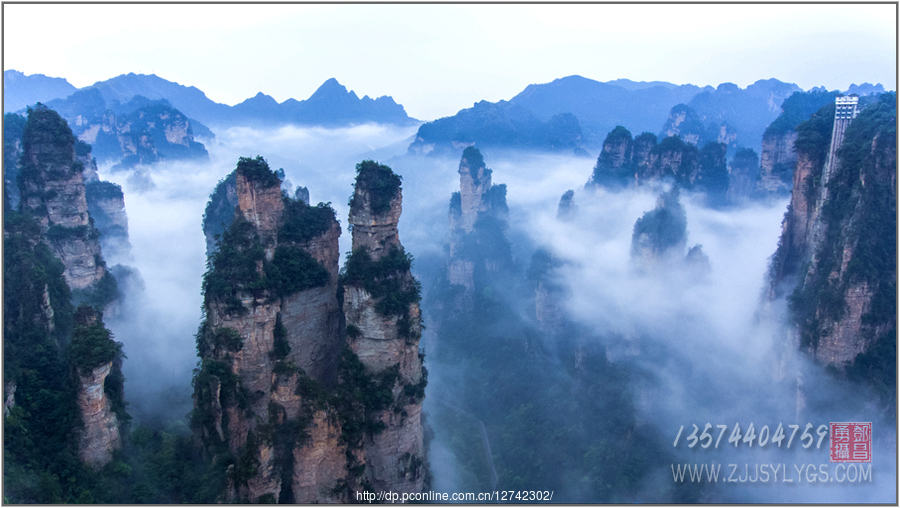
(436, 59)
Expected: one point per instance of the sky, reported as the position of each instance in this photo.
(436, 59)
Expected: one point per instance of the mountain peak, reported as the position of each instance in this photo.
(331, 89)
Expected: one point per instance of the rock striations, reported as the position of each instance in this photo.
(381, 305)
(296, 414)
(52, 189)
(97, 362)
(777, 161)
(837, 252)
(272, 318)
(52, 257)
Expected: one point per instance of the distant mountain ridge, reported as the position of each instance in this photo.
(644, 106)
(20, 90)
(728, 114)
(330, 105)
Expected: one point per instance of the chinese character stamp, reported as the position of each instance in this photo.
(851, 442)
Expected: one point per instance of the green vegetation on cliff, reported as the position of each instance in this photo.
(609, 172)
(474, 158)
(219, 211)
(46, 342)
(293, 270)
(797, 108)
(860, 214)
(233, 265)
(387, 280)
(379, 182)
(257, 171)
(92, 344)
(661, 229)
(814, 135)
(303, 222)
(39, 442)
(45, 128)
(233, 268)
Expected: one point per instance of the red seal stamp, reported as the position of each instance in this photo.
(851, 442)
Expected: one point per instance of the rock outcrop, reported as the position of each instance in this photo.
(305, 407)
(837, 252)
(684, 123)
(9, 400)
(272, 322)
(567, 209)
(743, 175)
(627, 162)
(100, 436)
(219, 212)
(97, 361)
(474, 184)
(478, 223)
(548, 293)
(381, 305)
(53, 191)
(660, 237)
(106, 205)
(777, 161)
(660, 233)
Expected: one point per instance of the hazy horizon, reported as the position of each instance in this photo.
(437, 59)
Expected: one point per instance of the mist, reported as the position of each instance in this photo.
(699, 347)
(162, 310)
(706, 348)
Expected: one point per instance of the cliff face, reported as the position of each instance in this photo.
(743, 175)
(616, 164)
(548, 294)
(13, 126)
(377, 233)
(838, 246)
(106, 205)
(97, 365)
(300, 416)
(777, 155)
(474, 183)
(567, 209)
(272, 323)
(643, 145)
(381, 305)
(684, 123)
(53, 191)
(478, 223)
(220, 210)
(777, 161)
(627, 162)
(100, 436)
